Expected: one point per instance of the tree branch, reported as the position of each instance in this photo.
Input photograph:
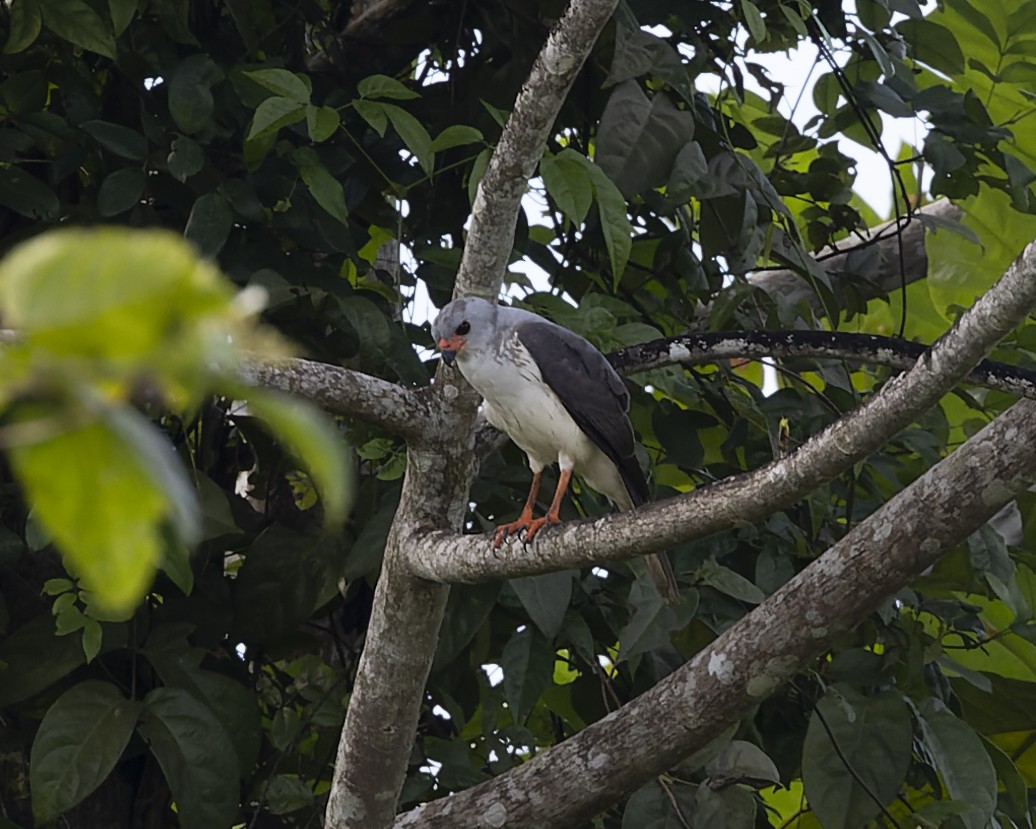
(342, 391)
(754, 495)
(723, 682)
(495, 212)
(881, 270)
(378, 735)
(696, 349)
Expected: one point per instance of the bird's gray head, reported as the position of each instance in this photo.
(465, 326)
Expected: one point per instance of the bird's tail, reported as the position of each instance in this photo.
(661, 571)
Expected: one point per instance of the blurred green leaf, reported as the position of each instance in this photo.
(109, 531)
(313, 438)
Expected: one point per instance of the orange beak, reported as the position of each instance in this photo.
(449, 346)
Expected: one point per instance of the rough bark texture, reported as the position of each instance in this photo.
(697, 349)
(616, 755)
(341, 391)
(378, 734)
(756, 494)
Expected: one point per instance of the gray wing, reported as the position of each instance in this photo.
(591, 392)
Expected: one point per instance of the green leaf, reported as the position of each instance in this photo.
(81, 738)
(528, 665)
(753, 20)
(234, 705)
(198, 763)
(731, 583)
(741, 761)
(286, 793)
(933, 44)
(76, 22)
(27, 195)
(110, 531)
(545, 598)
(414, 135)
(639, 138)
(209, 223)
(731, 808)
(285, 578)
(651, 807)
(26, 21)
(478, 169)
(374, 114)
(274, 113)
(382, 86)
(879, 53)
(122, 13)
(281, 82)
(324, 187)
(190, 92)
(310, 435)
(322, 122)
(120, 191)
(185, 158)
(119, 139)
(615, 224)
(128, 312)
(689, 168)
(92, 636)
(959, 270)
(962, 763)
(55, 587)
(456, 135)
(22, 673)
(873, 735)
(568, 184)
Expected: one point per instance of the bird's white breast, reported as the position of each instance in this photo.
(519, 402)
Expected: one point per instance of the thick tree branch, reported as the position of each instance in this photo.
(756, 494)
(378, 735)
(621, 752)
(697, 349)
(487, 250)
(342, 391)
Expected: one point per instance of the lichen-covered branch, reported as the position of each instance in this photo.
(378, 735)
(342, 391)
(722, 683)
(754, 495)
(698, 349)
(495, 212)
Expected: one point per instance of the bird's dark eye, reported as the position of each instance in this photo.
(463, 328)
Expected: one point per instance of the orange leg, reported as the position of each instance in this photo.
(552, 516)
(525, 519)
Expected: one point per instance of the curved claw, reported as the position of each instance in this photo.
(505, 531)
(538, 524)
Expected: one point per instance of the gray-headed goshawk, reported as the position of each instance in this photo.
(559, 399)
